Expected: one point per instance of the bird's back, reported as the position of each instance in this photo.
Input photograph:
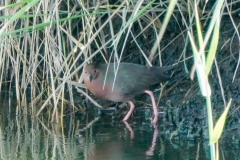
(132, 79)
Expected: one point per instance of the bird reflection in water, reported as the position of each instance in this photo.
(116, 146)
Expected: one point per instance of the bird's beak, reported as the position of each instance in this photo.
(90, 77)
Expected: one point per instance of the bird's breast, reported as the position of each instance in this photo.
(106, 91)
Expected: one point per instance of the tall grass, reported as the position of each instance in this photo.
(203, 65)
(45, 44)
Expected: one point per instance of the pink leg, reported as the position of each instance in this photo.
(155, 111)
(132, 106)
(130, 129)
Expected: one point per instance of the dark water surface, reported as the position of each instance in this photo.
(94, 138)
(32, 139)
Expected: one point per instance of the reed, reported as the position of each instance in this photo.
(45, 44)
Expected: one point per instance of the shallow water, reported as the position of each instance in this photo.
(32, 139)
(97, 138)
(26, 138)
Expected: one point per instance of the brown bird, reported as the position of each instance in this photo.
(122, 85)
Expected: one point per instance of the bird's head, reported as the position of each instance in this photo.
(91, 72)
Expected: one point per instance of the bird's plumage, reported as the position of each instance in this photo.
(130, 80)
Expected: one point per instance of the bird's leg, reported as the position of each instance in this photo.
(155, 110)
(132, 106)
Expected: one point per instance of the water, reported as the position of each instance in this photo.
(24, 137)
(86, 137)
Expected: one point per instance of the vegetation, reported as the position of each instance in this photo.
(44, 46)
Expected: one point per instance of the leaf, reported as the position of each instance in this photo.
(217, 131)
(213, 47)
